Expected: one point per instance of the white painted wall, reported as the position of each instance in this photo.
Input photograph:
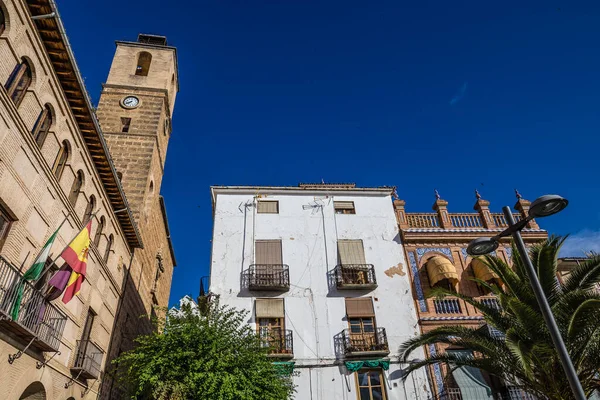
(315, 312)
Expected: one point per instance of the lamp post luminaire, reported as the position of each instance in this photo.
(542, 207)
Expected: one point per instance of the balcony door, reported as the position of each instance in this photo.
(270, 323)
(268, 263)
(361, 323)
(362, 332)
(351, 255)
(270, 330)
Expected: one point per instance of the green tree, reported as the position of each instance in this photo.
(210, 355)
(524, 355)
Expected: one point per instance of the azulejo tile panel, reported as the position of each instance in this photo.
(417, 279)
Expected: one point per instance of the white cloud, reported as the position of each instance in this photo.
(580, 243)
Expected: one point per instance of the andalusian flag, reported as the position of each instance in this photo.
(70, 278)
(32, 274)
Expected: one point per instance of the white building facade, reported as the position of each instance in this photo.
(323, 273)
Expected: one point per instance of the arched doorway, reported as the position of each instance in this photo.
(34, 391)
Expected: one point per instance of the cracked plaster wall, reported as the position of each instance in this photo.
(315, 312)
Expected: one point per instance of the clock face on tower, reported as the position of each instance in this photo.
(130, 102)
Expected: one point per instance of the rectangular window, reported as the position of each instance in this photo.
(370, 384)
(125, 123)
(351, 252)
(268, 252)
(5, 224)
(344, 207)
(268, 207)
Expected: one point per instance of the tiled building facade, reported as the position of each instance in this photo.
(55, 165)
(435, 245)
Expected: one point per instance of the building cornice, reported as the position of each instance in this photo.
(58, 49)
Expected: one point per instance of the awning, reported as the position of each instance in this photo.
(440, 268)
(483, 272)
(269, 308)
(470, 381)
(284, 367)
(359, 307)
(354, 366)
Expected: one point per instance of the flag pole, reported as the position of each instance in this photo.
(67, 245)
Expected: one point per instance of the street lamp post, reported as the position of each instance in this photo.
(542, 207)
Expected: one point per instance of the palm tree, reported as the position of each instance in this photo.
(523, 354)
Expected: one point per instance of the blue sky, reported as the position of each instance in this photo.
(430, 95)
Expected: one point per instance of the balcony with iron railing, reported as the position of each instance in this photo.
(457, 220)
(88, 362)
(279, 341)
(505, 393)
(365, 343)
(39, 322)
(275, 277)
(355, 276)
(447, 306)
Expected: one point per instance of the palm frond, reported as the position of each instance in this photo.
(585, 276)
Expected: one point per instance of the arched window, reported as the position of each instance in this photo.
(151, 190)
(89, 209)
(2, 22)
(143, 64)
(42, 126)
(108, 247)
(99, 230)
(35, 391)
(61, 160)
(120, 176)
(19, 82)
(76, 188)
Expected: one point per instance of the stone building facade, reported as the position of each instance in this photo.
(55, 166)
(435, 245)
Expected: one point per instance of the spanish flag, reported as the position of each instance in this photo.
(75, 256)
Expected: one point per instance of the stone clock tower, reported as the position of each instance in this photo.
(135, 110)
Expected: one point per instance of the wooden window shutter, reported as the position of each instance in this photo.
(351, 252)
(343, 205)
(268, 252)
(359, 307)
(269, 308)
(267, 207)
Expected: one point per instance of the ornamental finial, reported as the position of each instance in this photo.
(477, 195)
(518, 194)
(437, 194)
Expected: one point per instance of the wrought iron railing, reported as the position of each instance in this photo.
(39, 322)
(88, 362)
(280, 341)
(506, 393)
(492, 302)
(365, 342)
(447, 306)
(268, 277)
(355, 276)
